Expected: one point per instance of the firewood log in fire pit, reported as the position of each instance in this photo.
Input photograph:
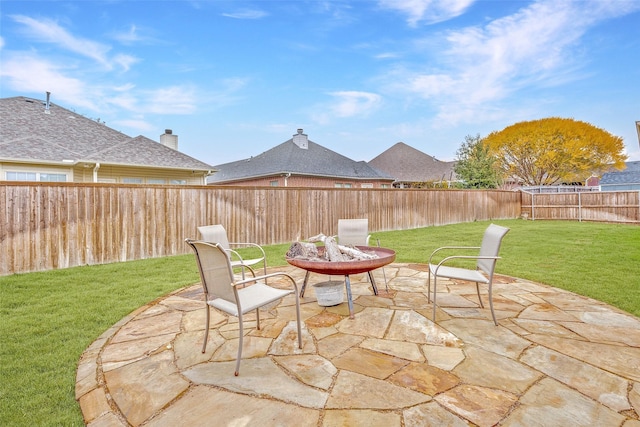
(302, 250)
(333, 251)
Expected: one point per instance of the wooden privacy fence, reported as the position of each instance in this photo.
(57, 225)
(623, 206)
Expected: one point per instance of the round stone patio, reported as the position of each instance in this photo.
(556, 359)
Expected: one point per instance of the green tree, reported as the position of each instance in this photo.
(476, 167)
(555, 150)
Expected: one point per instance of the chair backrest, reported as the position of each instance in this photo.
(353, 232)
(215, 269)
(491, 247)
(214, 234)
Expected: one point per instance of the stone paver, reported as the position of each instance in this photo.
(555, 359)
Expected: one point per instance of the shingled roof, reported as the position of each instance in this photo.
(298, 156)
(409, 165)
(627, 179)
(31, 131)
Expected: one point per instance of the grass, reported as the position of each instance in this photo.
(48, 319)
(601, 261)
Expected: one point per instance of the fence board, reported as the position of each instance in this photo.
(57, 225)
(622, 206)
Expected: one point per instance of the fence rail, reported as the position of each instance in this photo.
(58, 225)
(622, 207)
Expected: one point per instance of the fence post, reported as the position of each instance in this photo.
(579, 207)
(533, 208)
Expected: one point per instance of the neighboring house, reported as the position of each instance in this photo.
(593, 181)
(300, 162)
(413, 168)
(41, 141)
(624, 180)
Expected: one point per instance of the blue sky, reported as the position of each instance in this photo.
(233, 79)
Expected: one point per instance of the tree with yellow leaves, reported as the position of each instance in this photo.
(555, 150)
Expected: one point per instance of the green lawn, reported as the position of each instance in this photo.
(48, 319)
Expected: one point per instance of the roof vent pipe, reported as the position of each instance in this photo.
(47, 103)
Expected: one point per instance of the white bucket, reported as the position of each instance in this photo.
(329, 293)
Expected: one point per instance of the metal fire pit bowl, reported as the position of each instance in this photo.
(345, 268)
(385, 256)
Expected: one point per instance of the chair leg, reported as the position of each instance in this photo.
(241, 340)
(478, 291)
(304, 284)
(491, 304)
(373, 282)
(258, 318)
(206, 331)
(435, 281)
(298, 320)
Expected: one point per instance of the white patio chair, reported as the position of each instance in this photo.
(485, 266)
(217, 234)
(223, 292)
(353, 232)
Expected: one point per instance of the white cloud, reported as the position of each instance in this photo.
(123, 99)
(171, 100)
(125, 87)
(482, 65)
(387, 55)
(353, 103)
(246, 14)
(135, 35)
(125, 61)
(48, 31)
(129, 37)
(346, 104)
(139, 125)
(25, 72)
(73, 81)
(427, 11)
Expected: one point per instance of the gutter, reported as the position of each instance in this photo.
(95, 172)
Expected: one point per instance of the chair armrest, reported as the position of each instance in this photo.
(265, 276)
(451, 247)
(234, 253)
(476, 257)
(246, 245)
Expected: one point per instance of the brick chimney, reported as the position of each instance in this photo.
(301, 140)
(168, 139)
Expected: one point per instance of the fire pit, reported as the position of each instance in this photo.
(384, 256)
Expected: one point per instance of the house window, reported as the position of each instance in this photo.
(132, 180)
(338, 185)
(273, 183)
(367, 185)
(156, 181)
(36, 176)
(385, 186)
(178, 181)
(53, 177)
(21, 176)
(347, 185)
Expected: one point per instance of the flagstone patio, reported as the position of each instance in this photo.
(556, 359)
